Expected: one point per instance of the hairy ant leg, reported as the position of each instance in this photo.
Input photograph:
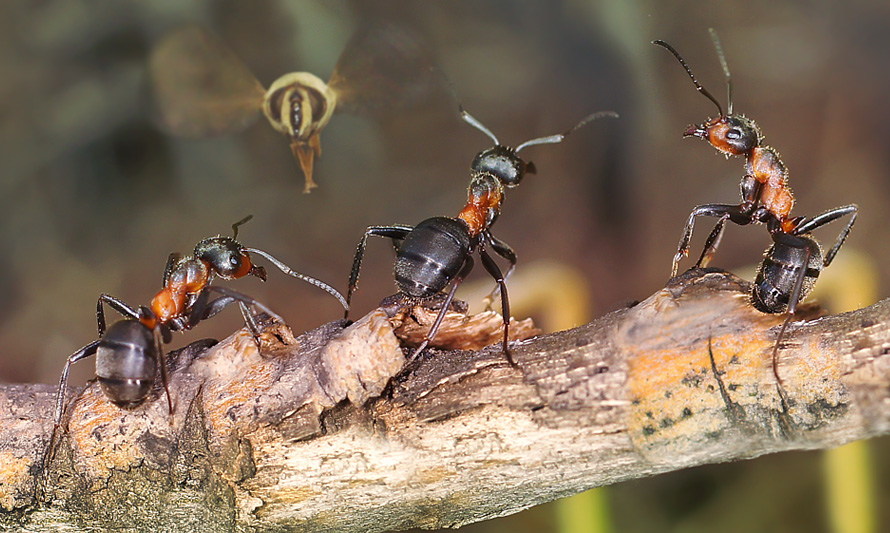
(732, 212)
(464, 272)
(394, 232)
(492, 268)
(504, 250)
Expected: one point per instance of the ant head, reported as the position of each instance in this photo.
(227, 259)
(502, 163)
(703, 130)
(732, 135)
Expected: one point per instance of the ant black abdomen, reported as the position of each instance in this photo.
(790, 260)
(431, 255)
(126, 362)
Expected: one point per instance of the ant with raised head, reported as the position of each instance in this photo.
(129, 352)
(793, 262)
(439, 251)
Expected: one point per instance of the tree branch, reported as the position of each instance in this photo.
(314, 435)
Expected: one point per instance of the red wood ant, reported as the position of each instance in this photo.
(793, 262)
(439, 250)
(129, 352)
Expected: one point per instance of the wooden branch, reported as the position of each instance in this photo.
(313, 435)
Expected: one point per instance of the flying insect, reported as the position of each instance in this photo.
(203, 89)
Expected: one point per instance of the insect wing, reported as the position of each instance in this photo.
(383, 67)
(201, 87)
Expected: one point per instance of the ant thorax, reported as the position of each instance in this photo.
(484, 197)
(765, 165)
(186, 277)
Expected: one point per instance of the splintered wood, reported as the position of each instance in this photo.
(459, 331)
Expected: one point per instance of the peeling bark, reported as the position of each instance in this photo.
(325, 431)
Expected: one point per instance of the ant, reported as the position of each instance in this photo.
(440, 250)
(129, 352)
(793, 262)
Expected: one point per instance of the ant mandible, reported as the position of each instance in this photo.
(129, 352)
(793, 262)
(439, 250)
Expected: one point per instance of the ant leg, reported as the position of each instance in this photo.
(464, 272)
(308, 279)
(825, 218)
(492, 268)
(250, 322)
(751, 190)
(712, 243)
(391, 232)
(172, 260)
(162, 360)
(504, 250)
(83, 353)
(116, 304)
(230, 296)
(793, 300)
(202, 309)
(734, 212)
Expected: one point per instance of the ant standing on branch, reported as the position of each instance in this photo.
(129, 353)
(793, 262)
(440, 250)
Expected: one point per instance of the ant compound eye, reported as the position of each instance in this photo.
(733, 134)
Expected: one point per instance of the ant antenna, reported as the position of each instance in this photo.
(559, 137)
(308, 279)
(723, 64)
(698, 85)
(472, 121)
(466, 117)
(241, 222)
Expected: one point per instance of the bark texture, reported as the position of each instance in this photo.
(328, 432)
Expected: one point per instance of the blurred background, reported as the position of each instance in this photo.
(94, 194)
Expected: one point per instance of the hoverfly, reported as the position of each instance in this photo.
(203, 89)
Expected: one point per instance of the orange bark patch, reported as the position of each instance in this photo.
(14, 473)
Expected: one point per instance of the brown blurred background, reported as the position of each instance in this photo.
(94, 196)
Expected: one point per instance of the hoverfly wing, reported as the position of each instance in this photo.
(383, 67)
(201, 87)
